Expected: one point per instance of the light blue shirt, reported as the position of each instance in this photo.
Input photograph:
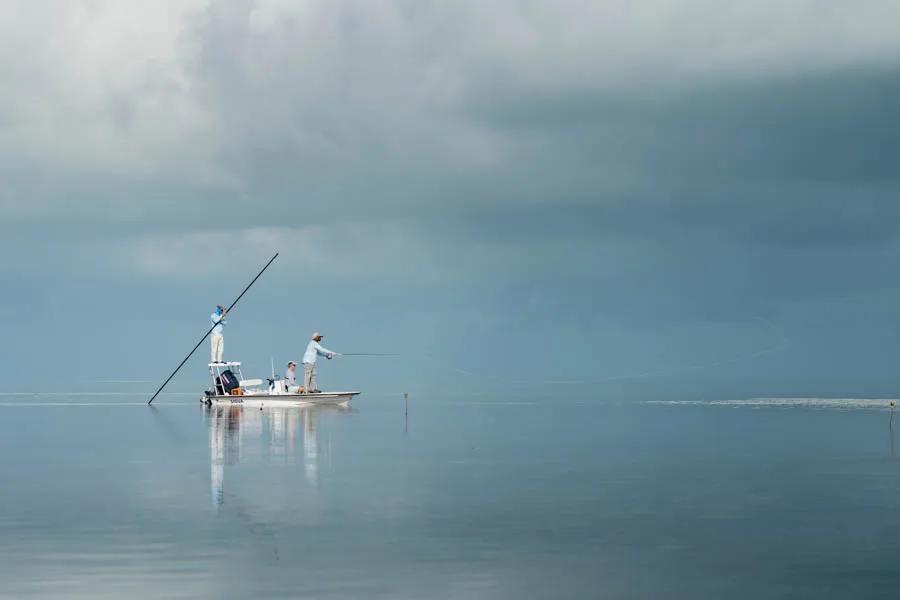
(219, 322)
(314, 349)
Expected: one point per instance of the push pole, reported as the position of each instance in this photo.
(206, 335)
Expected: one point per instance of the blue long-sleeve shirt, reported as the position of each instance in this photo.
(219, 322)
(314, 349)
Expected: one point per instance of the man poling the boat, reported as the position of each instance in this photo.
(216, 339)
(313, 350)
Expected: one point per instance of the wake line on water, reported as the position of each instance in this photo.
(20, 404)
(840, 403)
(72, 394)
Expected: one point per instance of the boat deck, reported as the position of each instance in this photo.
(282, 399)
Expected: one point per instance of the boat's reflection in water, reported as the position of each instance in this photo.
(274, 432)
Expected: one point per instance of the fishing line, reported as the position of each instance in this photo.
(781, 345)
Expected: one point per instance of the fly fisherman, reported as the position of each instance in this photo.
(313, 350)
(216, 339)
(290, 379)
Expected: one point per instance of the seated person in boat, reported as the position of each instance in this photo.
(290, 379)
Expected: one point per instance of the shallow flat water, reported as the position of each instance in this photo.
(479, 498)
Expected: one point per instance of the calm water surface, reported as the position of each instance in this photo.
(494, 498)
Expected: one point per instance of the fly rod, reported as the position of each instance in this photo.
(206, 335)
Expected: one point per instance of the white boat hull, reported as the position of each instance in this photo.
(327, 398)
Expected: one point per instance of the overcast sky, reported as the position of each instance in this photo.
(503, 192)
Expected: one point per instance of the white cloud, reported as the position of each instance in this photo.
(398, 251)
(102, 87)
(349, 251)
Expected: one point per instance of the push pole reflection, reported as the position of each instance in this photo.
(276, 431)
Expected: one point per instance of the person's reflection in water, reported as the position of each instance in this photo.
(224, 446)
(231, 426)
(281, 426)
(310, 446)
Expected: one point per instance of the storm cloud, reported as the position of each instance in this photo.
(640, 182)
